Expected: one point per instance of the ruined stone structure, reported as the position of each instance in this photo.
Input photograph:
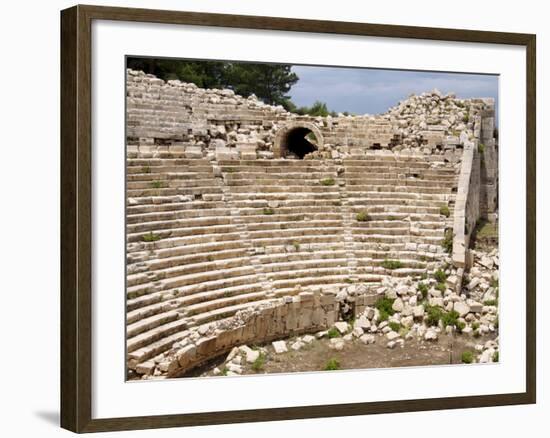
(244, 221)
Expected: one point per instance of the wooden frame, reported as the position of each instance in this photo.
(76, 225)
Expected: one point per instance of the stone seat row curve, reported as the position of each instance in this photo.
(207, 239)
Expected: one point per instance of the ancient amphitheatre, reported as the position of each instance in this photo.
(259, 240)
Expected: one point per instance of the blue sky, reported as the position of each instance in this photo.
(373, 91)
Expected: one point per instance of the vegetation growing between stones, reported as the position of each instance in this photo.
(450, 318)
(467, 357)
(150, 237)
(362, 216)
(268, 211)
(395, 326)
(481, 148)
(392, 264)
(433, 315)
(440, 276)
(333, 333)
(384, 306)
(332, 365)
(447, 242)
(423, 289)
(158, 184)
(328, 181)
(258, 364)
(444, 211)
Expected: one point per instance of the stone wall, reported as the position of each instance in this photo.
(289, 316)
(180, 118)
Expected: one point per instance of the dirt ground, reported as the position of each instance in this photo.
(355, 355)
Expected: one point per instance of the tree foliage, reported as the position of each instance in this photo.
(269, 82)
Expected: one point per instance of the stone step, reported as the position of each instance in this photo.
(214, 304)
(304, 264)
(160, 217)
(332, 241)
(293, 233)
(150, 336)
(150, 322)
(188, 236)
(180, 302)
(204, 249)
(298, 255)
(209, 256)
(147, 351)
(173, 191)
(167, 175)
(202, 186)
(201, 281)
(225, 312)
(186, 269)
(144, 209)
(360, 237)
(302, 223)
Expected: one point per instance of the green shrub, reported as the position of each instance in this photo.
(481, 148)
(494, 283)
(444, 211)
(146, 169)
(362, 216)
(392, 264)
(440, 276)
(395, 326)
(392, 218)
(475, 325)
(433, 315)
(490, 302)
(268, 211)
(467, 357)
(332, 365)
(333, 333)
(158, 184)
(328, 181)
(466, 118)
(450, 318)
(442, 287)
(423, 289)
(460, 326)
(150, 237)
(296, 245)
(447, 242)
(384, 306)
(258, 364)
(495, 356)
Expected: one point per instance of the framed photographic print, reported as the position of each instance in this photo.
(305, 218)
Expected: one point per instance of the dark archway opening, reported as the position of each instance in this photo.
(300, 141)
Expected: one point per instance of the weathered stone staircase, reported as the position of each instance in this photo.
(207, 239)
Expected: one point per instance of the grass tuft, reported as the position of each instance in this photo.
(328, 181)
(392, 264)
(258, 364)
(332, 365)
(444, 211)
(362, 216)
(150, 237)
(467, 357)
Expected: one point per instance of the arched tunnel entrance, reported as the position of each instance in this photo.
(297, 139)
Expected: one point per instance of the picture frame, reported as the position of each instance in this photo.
(77, 168)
